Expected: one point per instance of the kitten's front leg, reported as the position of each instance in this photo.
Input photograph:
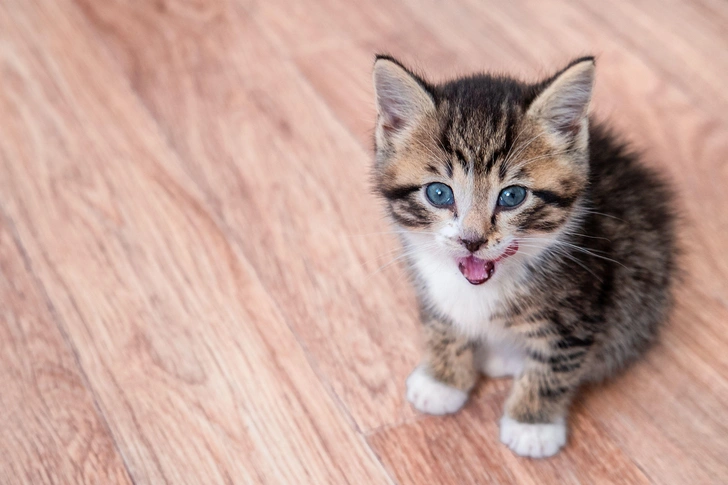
(534, 423)
(441, 384)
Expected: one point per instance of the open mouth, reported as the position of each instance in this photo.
(477, 271)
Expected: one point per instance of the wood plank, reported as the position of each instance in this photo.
(51, 430)
(199, 375)
(227, 301)
(310, 26)
(684, 41)
(291, 188)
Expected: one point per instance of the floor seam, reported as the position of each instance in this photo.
(67, 340)
(219, 221)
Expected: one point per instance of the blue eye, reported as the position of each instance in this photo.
(511, 196)
(440, 195)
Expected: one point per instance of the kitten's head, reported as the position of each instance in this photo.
(481, 168)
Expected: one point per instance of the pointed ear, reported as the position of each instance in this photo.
(563, 102)
(403, 99)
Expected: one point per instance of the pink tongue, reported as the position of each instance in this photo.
(477, 271)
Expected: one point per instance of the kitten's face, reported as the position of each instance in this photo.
(482, 169)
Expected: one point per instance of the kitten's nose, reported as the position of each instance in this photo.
(472, 245)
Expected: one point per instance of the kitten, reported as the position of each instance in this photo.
(540, 248)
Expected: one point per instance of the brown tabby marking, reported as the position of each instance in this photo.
(450, 357)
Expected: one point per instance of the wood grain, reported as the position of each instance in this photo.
(685, 41)
(195, 275)
(465, 449)
(200, 377)
(51, 429)
(313, 230)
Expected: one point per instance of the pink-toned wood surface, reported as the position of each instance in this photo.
(195, 278)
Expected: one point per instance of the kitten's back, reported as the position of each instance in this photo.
(631, 209)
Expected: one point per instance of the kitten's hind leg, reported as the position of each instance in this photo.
(441, 384)
(499, 359)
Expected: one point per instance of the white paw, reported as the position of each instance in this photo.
(534, 440)
(428, 395)
(499, 362)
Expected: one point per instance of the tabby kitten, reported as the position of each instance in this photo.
(539, 246)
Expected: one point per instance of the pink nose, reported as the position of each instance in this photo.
(472, 245)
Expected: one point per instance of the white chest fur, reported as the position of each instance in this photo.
(473, 309)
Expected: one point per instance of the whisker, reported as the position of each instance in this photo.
(579, 248)
(560, 252)
(390, 233)
(548, 155)
(397, 251)
(389, 263)
(584, 209)
(570, 257)
(510, 150)
(508, 160)
(585, 235)
(427, 149)
(406, 251)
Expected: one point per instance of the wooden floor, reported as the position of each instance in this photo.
(189, 252)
